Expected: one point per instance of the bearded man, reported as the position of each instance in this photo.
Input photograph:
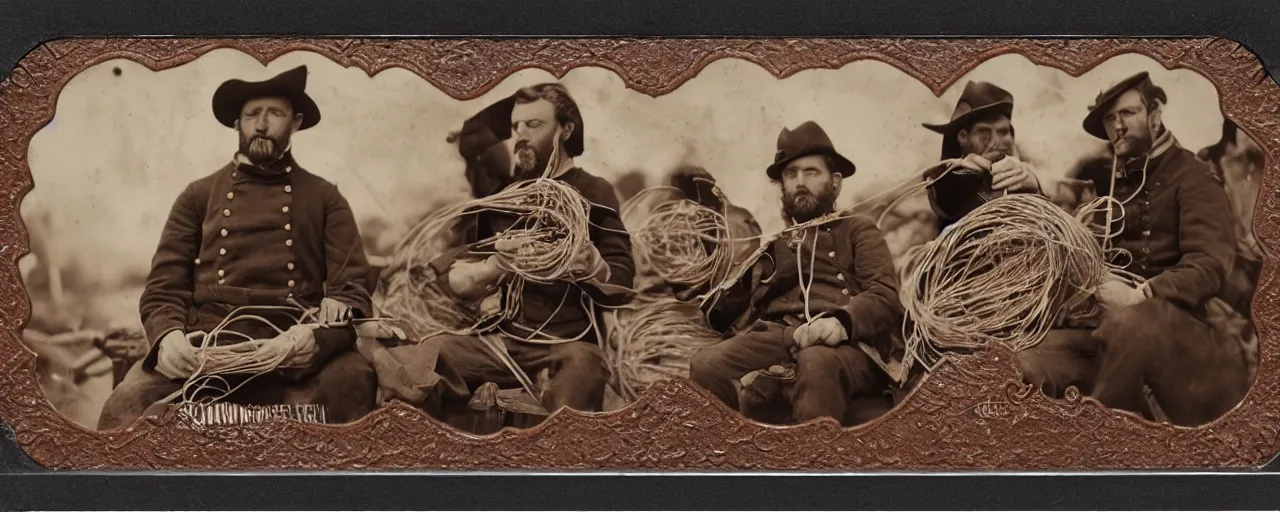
(1177, 235)
(260, 231)
(814, 296)
(980, 140)
(555, 327)
(980, 135)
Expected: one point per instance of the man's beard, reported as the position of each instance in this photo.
(805, 206)
(1130, 145)
(529, 161)
(263, 149)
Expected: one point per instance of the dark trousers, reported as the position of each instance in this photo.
(827, 380)
(1065, 358)
(1196, 372)
(345, 385)
(577, 372)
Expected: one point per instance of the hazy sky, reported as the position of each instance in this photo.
(120, 148)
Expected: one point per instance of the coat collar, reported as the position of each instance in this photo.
(1159, 148)
(274, 172)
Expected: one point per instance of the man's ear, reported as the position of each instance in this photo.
(1155, 118)
(297, 123)
(567, 131)
(837, 181)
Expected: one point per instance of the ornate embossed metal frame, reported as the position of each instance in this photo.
(973, 413)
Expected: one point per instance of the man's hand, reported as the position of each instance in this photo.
(176, 357)
(590, 265)
(1115, 294)
(333, 313)
(472, 280)
(1013, 175)
(974, 162)
(822, 331)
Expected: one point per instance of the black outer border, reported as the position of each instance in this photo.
(24, 24)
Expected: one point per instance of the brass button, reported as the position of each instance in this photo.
(290, 265)
(288, 189)
(831, 254)
(231, 195)
(285, 209)
(224, 232)
(289, 242)
(222, 281)
(226, 213)
(844, 291)
(840, 277)
(222, 273)
(197, 261)
(290, 296)
(288, 227)
(291, 283)
(1146, 232)
(235, 174)
(222, 251)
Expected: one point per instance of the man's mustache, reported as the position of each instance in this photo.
(801, 193)
(263, 138)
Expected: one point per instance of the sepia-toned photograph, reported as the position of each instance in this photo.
(233, 242)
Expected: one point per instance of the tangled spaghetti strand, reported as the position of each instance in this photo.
(554, 227)
(1006, 273)
(654, 339)
(685, 244)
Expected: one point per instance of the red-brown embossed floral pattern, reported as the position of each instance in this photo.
(972, 414)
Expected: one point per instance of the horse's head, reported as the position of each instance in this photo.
(1238, 162)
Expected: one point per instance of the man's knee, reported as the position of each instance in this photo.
(582, 356)
(1150, 313)
(1144, 326)
(349, 367)
(818, 363)
(707, 366)
(139, 389)
(843, 366)
(347, 386)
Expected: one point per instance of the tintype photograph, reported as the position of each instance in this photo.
(237, 241)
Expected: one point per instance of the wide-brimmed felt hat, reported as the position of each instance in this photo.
(231, 96)
(493, 124)
(977, 99)
(1093, 123)
(807, 139)
(484, 129)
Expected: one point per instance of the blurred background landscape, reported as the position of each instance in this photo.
(125, 141)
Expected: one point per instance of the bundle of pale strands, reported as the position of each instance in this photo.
(673, 239)
(655, 337)
(1005, 273)
(208, 382)
(553, 227)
